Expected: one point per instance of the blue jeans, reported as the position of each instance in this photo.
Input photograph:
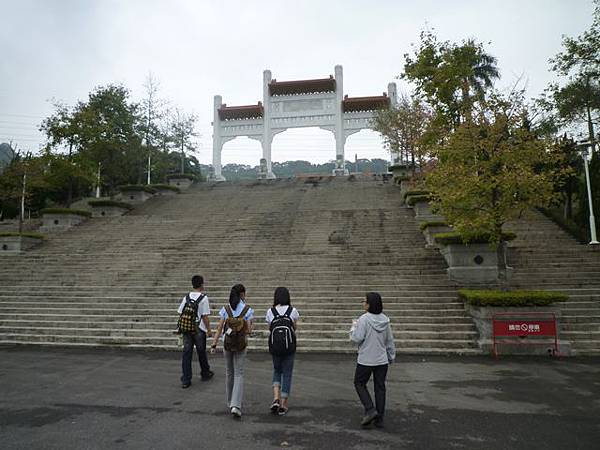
(282, 373)
(189, 340)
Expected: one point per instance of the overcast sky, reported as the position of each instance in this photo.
(62, 49)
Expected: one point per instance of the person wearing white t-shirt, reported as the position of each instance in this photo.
(198, 338)
(283, 365)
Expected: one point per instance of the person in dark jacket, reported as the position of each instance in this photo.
(376, 350)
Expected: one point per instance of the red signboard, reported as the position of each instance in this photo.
(524, 326)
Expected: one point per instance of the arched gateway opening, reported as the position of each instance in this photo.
(296, 104)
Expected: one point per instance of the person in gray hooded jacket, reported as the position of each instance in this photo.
(376, 350)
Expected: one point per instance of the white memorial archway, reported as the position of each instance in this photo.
(294, 104)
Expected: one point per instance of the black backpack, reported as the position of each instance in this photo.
(282, 336)
(188, 320)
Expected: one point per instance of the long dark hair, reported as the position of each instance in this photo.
(234, 298)
(374, 302)
(281, 296)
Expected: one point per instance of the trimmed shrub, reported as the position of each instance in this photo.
(17, 234)
(165, 186)
(75, 212)
(413, 199)
(510, 298)
(137, 187)
(426, 225)
(101, 203)
(454, 237)
(181, 175)
(416, 192)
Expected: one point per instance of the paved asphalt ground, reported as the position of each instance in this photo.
(111, 399)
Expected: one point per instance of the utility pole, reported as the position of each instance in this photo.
(98, 181)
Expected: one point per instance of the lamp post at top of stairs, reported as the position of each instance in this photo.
(584, 153)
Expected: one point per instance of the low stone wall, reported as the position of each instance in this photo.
(10, 245)
(423, 213)
(108, 211)
(181, 183)
(59, 222)
(135, 197)
(482, 317)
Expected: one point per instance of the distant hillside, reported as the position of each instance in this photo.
(291, 168)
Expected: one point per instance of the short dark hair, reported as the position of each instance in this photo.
(197, 281)
(281, 296)
(374, 302)
(234, 298)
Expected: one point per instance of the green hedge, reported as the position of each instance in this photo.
(510, 298)
(138, 188)
(414, 199)
(454, 237)
(416, 192)
(101, 203)
(17, 234)
(426, 225)
(181, 175)
(398, 166)
(165, 186)
(75, 212)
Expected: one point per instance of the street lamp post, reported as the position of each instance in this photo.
(585, 146)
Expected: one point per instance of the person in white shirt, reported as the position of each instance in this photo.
(197, 338)
(283, 364)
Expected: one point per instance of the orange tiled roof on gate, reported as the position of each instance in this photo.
(302, 86)
(354, 104)
(241, 112)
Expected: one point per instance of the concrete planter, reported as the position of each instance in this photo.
(135, 196)
(482, 317)
(181, 183)
(60, 222)
(471, 263)
(108, 211)
(430, 233)
(423, 213)
(11, 245)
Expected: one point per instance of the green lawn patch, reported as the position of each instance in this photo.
(75, 212)
(510, 298)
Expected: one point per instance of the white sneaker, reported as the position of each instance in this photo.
(236, 412)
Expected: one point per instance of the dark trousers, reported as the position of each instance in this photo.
(361, 378)
(189, 340)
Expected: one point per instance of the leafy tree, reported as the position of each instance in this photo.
(182, 132)
(490, 170)
(23, 185)
(110, 135)
(451, 77)
(403, 128)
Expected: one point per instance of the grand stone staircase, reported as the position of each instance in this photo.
(118, 281)
(546, 257)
